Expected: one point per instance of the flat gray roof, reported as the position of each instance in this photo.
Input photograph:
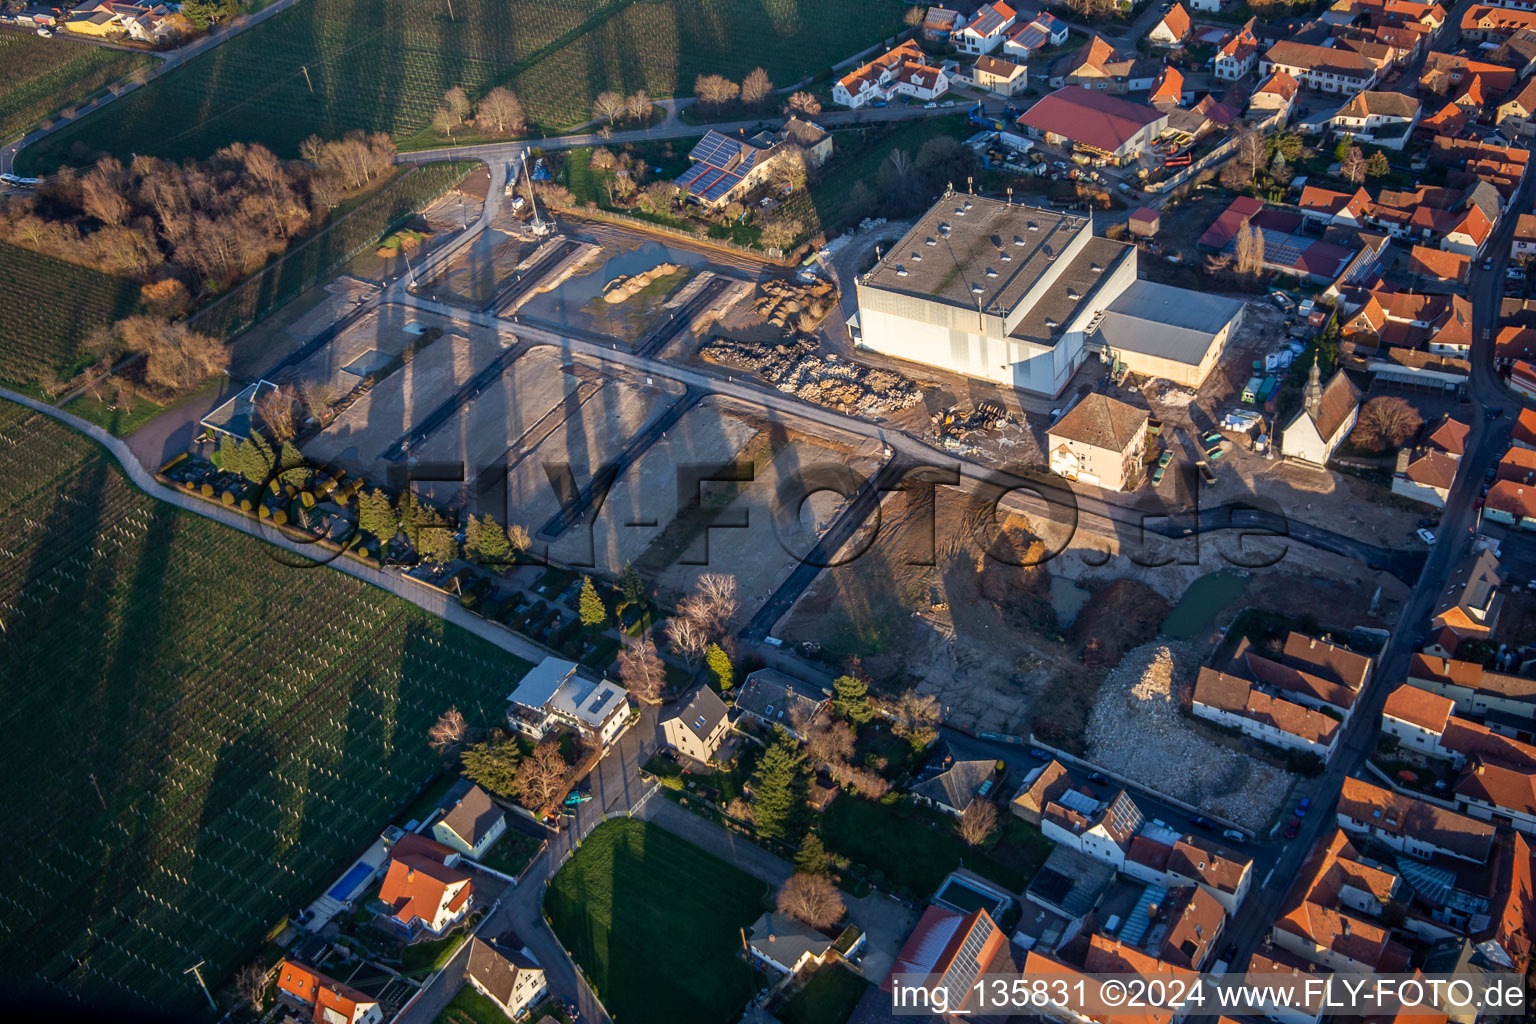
(1072, 292)
(1159, 320)
(969, 250)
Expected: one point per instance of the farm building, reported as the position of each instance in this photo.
(1105, 126)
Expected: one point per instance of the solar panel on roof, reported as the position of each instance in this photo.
(691, 175)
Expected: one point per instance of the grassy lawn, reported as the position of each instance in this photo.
(225, 805)
(470, 1007)
(40, 76)
(48, 307)
(854, 162)
(327, 67)
(121, 422)
(512, 852)
(915, 849)
(422, 958)
(632, 883)
(828, 998)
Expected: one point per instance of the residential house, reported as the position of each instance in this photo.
(1309, 671)
(1424, 474)
(1513, 345)
(1331, 915)
(1040, 789)
(1168, 89)
(984, 32)
(950, 950)
(322, 999)
(1101, 829)
(1172, 30)
(1099, 441)
(1099, 66)
(1109, 956)
(1000, 77)
(771, 698)
(1324, 207)
(1415, 827)
(1209, 6)
(1238, 55)
(1474, 689)
(1327, 416)
(1223, 873)
(1417, 718)
(1382, 118)
(1276, 95)
(1024, 40)
(940, 23)
(1516, 115)
(1524, 434)
(1522, 378)
(472, 825)
(1482, 23)
(1437, 323)
(814, 140)
(696, 727)
(1493, 792)
(552, 696)
(958, 785)
(1113, 129)
(505, 971)
(1523, 245)
(1195, 922)
(1432, 266)
(787, 944)
(94, 19)
(903, 71)
(724, 168)
(1511, 503)
(1469, 605)
(424, 888)
(1290, 969)
(1235, 702)
(1325, 68)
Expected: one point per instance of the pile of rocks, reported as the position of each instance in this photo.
(798, 370)
(1138, 730)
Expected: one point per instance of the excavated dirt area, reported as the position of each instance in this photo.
(1138, 730)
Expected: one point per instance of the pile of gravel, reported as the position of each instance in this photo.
(1137, 730)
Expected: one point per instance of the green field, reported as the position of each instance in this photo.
(47, 307)
(383, 67)
(202, 735)
(39, 76)
(654, 922)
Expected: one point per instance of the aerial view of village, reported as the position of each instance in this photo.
(800, 511)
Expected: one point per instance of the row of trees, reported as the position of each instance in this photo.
(905, 185)
(611, 107)
(192, 229)
(715, 91)
(499, 112)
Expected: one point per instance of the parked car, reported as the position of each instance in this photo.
(1302, 806)
(1292, 827)
(1098, 777)
(1488, 263)
(1494, 411)
(1038, 754)
(1200, 821)
(930, 105)
(1426, 536)
(1233, 835)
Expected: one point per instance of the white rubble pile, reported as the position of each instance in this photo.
(1137, 730)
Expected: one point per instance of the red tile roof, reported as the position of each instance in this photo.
(1428, 711)
(319, 992)
(1088, 117)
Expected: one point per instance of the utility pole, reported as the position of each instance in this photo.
(306, 79)
(97, 788)
(195, 971)
(450, 11)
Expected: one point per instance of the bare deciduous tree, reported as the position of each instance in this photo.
(813, 899)
(278, 412)
(448, 731)
(916, 717)
(541, 774)
(501, 111)
(978, 822)
(1250, 251)
(517, 533)
(914, 16)
(756, 87)
(829, 742)
(638, 106)
(688, 638)
(804, 103)
(869, 783)
(445, 121)
(609, 106)
(176, 357)
(1385, 423)
(317, 395)
(1353, 166)
(251, 983)
(456, 102)
(715, 90)
(103, 192)
(641, 670)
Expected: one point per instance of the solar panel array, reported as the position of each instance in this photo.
(720, 165)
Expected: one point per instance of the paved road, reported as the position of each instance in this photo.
(1488, 440)
(439, 604)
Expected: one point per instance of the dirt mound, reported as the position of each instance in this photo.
(1120, 615)
(622, 289)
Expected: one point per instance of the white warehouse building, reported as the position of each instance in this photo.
(1017, 295)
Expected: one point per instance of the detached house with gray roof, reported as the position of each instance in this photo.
(697, 727)
(472, 825)
(773, 698)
